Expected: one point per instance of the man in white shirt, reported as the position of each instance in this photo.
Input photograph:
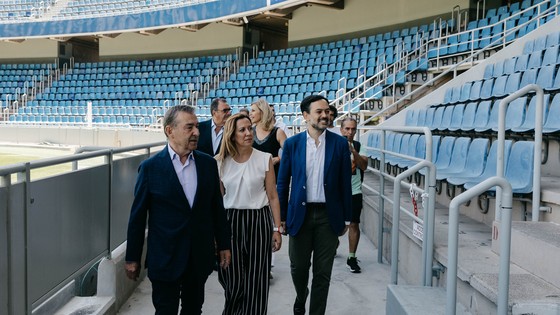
(211, 130)
(319, 208)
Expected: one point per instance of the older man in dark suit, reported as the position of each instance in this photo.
(178, 193)
(317, 164)
(211, 130)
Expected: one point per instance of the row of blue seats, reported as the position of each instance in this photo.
(524, 62)
(154, 62)
(130, 83)
(108, 88)
(72, 119)
(483, 116)
(547, 77)
(462, 161)
(150, 68)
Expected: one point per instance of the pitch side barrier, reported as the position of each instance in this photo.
(55, 228)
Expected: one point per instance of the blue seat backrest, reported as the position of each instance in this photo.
(512, 84)
(430, 116)
(545, 77)
(446, 119)
(469, 114)
(438, 117)
(458, 156)
(475, 90)
(465, 92)
(509, 65)
(535, 59)
(499, 87)
(552, 123)
(515, 113)
(550, 56)
(519, 171)
(476, 158)
(456, 117)
(529, 121)
(482, 115)
(530, 77)
(444, 153)
(487, 89)
(522, 61)
(421, 117)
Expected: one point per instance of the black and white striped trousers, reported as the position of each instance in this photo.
(246, 281)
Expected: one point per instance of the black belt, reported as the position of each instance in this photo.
(316, 205)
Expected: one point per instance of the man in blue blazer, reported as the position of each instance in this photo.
(211, 130)
(178, 194)
(317, 164)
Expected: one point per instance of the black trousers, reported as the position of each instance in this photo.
(188, 289)
(246, 281)
(315, 241)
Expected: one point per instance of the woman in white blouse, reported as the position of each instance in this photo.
(253, 210)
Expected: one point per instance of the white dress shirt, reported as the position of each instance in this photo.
(244, 182)
(315, 168)
(186, 174)
(216, 137)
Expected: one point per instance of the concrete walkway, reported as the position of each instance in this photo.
(355, 294)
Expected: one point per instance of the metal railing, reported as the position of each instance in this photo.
(536, 199)
(504, 235)
(428, 192)
(35, 238)
(435, 44)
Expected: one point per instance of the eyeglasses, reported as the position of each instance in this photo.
(225, 110)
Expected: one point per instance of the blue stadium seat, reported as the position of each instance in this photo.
(552, 123)
(446, 118)
(515, 113)
(469, 157)
(437, 119)
(457, 117)
(529, 121)
(482, 116)
(519, 168)
(443, 156)
(468, 117)
(489, 167)
(486, 89)
(545, 77)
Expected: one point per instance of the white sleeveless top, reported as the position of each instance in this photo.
(244, 182)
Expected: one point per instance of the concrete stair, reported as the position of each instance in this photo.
(535, 246)
(478, 265)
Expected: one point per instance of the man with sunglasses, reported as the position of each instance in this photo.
(211, 130)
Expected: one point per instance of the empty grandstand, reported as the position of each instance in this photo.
(457, 104)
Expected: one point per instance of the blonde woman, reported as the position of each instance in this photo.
(253, 210)
(267, 138)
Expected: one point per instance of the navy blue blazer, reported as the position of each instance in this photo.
(175, 228)
(205, 138)
(337, 182)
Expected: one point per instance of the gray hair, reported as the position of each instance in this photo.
(171, 115)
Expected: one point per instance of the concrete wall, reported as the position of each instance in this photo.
(214, 37)
(315, 21)
(36, 49)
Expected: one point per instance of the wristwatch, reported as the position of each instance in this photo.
(278, 229)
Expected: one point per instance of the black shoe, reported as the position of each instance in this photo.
(352, 264)
(299, 309)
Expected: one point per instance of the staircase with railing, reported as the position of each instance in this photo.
(433, 54)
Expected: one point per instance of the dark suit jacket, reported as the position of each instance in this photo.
(205, 138)
(337, 182)
(176, 229)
